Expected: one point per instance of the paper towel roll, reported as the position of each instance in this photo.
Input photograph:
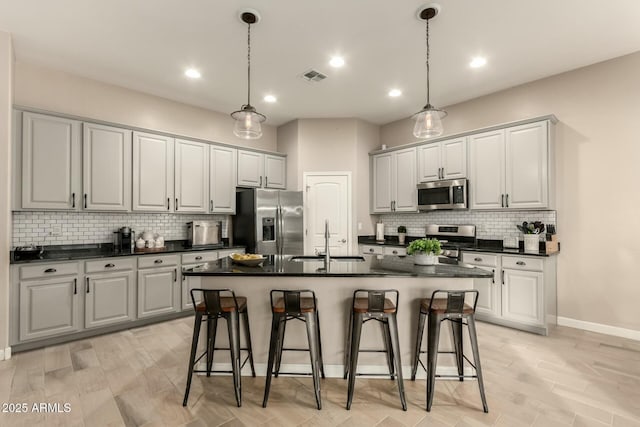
(380, 231)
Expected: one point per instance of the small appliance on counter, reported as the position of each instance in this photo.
(510, 242)
(380, 232)
(124, 240)
(204, 234)
(27, 252)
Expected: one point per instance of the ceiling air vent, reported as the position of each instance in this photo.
(313, 76)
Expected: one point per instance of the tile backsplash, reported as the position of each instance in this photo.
(489, 224)
(98, 227)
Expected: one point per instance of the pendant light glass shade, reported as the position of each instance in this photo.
(428, 122)
(247, 124)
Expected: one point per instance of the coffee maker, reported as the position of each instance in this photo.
(125, 239)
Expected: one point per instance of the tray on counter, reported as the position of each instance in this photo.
(149, 250)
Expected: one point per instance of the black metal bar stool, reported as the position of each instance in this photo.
(212, 307)
(300, 305)
(455, 307)
(374, 306)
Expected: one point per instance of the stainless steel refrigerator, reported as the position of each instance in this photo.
(269, 222)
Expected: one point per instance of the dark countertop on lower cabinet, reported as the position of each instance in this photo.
(106, 250)
(482, 245)
(372, 266)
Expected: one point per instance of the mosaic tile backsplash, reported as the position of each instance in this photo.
(98, 227)
(489, 224)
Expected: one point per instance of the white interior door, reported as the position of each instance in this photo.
(328, 197)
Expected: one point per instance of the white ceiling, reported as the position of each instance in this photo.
(147, 44)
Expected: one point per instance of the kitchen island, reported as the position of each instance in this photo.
(334, 283)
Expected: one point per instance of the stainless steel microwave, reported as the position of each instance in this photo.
(445, 194)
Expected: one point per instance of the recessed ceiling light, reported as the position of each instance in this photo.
(395, 92)
(270, 98)
(478, 62)
(336, 62)
(192, 73)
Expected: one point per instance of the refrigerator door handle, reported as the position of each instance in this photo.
(280, 230)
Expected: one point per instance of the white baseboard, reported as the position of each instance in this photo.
(337, 371)
(599, 328)
(5, 354)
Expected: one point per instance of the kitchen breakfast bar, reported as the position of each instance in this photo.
(334, 284)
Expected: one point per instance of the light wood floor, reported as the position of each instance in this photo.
(137, 378)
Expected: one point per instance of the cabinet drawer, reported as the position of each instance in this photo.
(368, 249)
(394, 250)
(477, 258)
(157, 261)
(48, 270)
(109, 264)
(194, 257)
(522, 263)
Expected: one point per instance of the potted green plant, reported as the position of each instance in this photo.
(424, 251)
(402, 234)
(531, 231)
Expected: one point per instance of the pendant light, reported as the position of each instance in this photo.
(247, 119)
(429, 119)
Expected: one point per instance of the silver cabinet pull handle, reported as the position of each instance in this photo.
(211, 204)
(493, 278)
(260, 181)
(175, 274)
(50, 270)
(198, 258)
(521, 263)
(158, 261)
(109, 265)
(477, 259)
(503, 277)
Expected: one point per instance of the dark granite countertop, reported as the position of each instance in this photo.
(482, 245)
(106, 250)
(373, 266)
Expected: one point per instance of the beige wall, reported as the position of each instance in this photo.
(597, 167)
(325, 145)
(6, 101)
(61, 92)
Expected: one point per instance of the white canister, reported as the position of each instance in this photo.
(532, 243)
(140, 243)
(380, 231)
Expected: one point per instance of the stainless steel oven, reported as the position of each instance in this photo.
(445, 194)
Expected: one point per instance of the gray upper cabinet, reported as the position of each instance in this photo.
(223, 175)
(153, 172)
(106, 177)
(394, 181)
(443, 160)
(51, 163)
(261, 170)
(192, 176)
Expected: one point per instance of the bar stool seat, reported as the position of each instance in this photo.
(299, 305)
(212, 307)
(227, 304)
(375, 306)
(455, 309)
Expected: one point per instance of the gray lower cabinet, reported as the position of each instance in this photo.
(109, 298)
(158, 291)
(48, 307)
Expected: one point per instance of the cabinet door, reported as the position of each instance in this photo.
(488, 294)
(486, 170)
(222, 185)
(152, 172)
(50, 162)
(109, 298)
(454, 158)
(275, 171)
(157, 291)
(48, 307)
(383, 180)
(429, 162)
(405, 181)
(106, 167)
(527, 166)
(522, 296)
(192, 176)
(188, 283)
(250, 169)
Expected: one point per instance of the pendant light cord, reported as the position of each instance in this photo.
(428, 54)
(248, 64)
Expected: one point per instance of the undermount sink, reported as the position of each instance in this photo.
(318, 258)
